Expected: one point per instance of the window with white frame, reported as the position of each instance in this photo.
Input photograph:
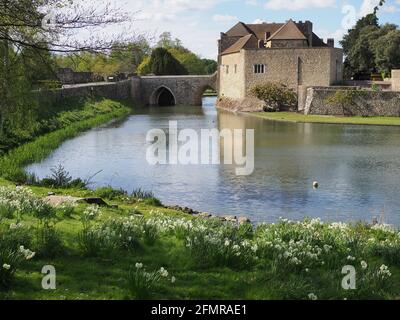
(260, 68)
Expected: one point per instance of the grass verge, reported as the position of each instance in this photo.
(74, 122)
(301, 118)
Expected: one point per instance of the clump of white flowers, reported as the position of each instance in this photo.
(91, 212)
(164, 273)
(28, 254)
(142, 283)
(384, 272)
(10, 260)
(6, 266)
(364, 265)
(313, 297)
(139, 266)
(21, 200)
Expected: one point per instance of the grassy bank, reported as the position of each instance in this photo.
(301, 118)
(141, 251)
(70, 123)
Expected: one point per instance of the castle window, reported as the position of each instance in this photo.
(259, 68)
(235, 68)
(227, 69)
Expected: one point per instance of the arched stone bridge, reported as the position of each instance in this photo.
(172, 90)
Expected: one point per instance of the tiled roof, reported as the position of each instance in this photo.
(248, 35)
(289, 31)
(317, 41)
(249, 41)
(238, 30)
(259, 30)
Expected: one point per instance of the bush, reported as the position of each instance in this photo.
(49, 243)
(162, 63)
(110, 193)
(141, 194)
(12, 254)
(22, 201)
(147, 196)
(109, 237)
(10, 261)
(278, 97)
(153, 202)
(60, 178)
(214, 244)
(66, 210)
(16, 235)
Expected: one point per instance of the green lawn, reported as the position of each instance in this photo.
(301, 118)
(208, 259)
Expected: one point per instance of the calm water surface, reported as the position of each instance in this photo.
(358, 167)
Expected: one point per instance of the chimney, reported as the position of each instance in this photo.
(331, 42)
(267, 36)
(309, 34)
(307, 29)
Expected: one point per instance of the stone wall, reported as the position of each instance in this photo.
(68, 76)
(118, 90)
(363, 102)
(232, 84)
(396, 80)
(294, 67)
(187, 90)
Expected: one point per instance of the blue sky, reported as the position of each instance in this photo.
(198, 22)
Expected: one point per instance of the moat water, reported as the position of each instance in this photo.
(357, 167)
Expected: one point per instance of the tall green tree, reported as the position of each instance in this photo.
(357, 47)
(163, 63)
(165, 41)
(371, 48)
(386, 49)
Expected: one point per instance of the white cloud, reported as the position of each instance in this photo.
(298, 4)
(180, 17)
(368, 7)
(259, 21)
(224, 18)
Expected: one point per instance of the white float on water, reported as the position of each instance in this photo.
(316, 185)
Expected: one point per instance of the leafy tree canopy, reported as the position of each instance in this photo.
(162, 63)
(371, 48)
(189, 60)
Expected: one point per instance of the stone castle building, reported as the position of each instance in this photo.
(289, 53)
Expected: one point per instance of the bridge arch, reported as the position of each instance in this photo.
(163, 97)
(171, 90)
(199, 92)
